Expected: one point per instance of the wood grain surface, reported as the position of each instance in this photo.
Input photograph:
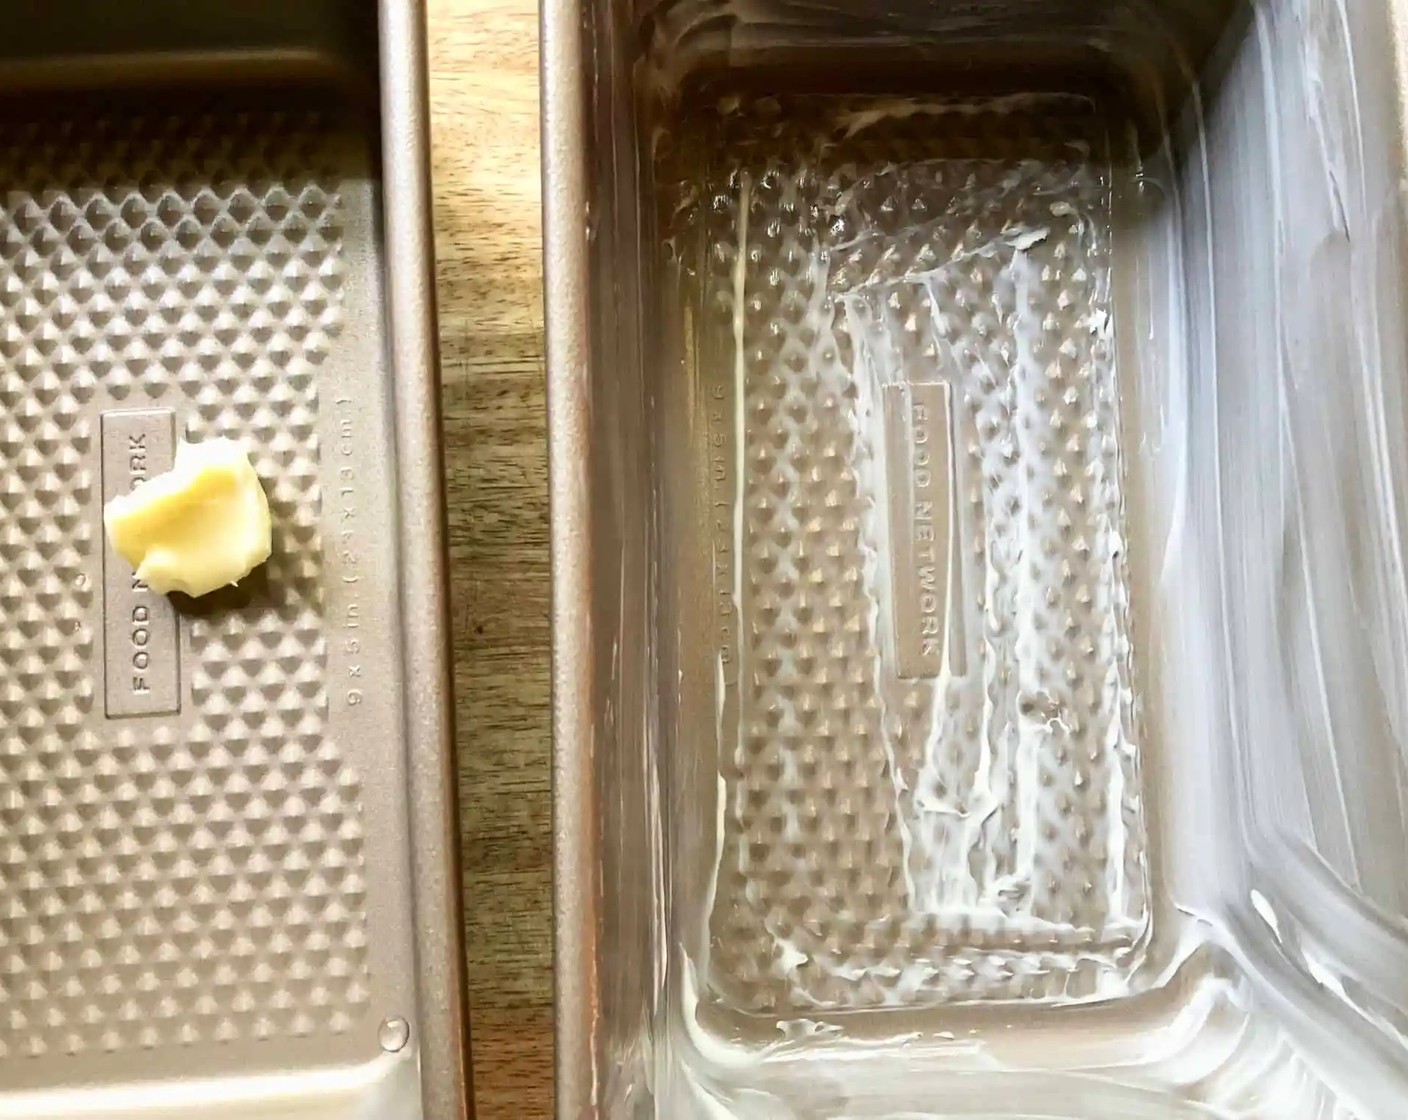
(484, 120)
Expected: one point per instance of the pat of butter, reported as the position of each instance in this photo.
(202, 525)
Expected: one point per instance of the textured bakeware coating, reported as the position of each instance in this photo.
(171, 883)
(978, 835)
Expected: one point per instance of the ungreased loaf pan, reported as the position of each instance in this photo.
(227, 878)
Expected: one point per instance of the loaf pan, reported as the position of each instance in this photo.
(979, 476)
(227, 874)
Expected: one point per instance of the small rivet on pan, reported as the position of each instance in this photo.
(394, 1034)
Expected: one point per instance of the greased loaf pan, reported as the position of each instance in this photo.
(980, 468)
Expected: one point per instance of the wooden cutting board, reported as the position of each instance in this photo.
(484, 120)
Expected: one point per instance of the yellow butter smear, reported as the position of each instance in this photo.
(201, 526)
